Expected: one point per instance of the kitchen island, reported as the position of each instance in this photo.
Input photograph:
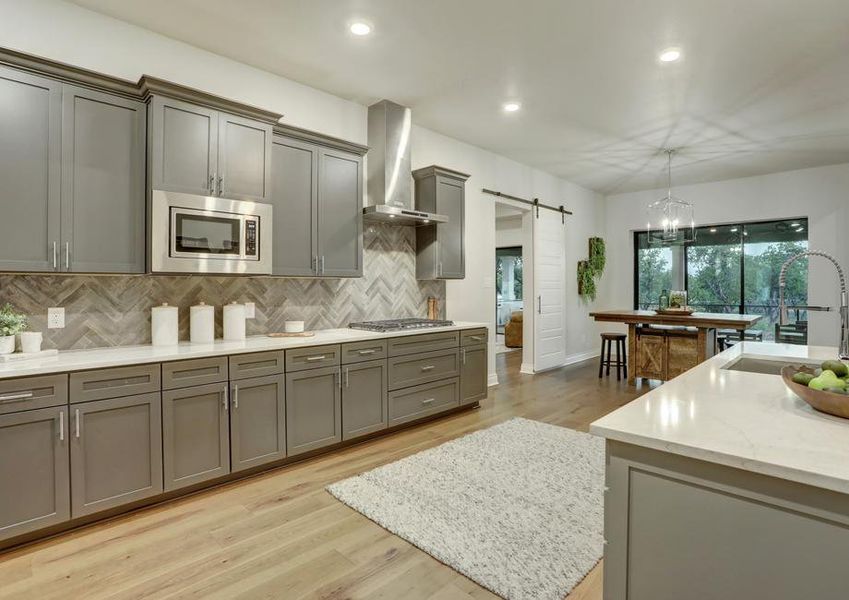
(722, 483)
(662, 346)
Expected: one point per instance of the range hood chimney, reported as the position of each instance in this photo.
(390, 197)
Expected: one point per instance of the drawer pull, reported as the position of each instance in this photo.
(477, 338)
(224, 401)
(61, 425)
(428, 368)
(428, 401)
(235, 395)
(16, 397)
(367, 352)
(315, 358)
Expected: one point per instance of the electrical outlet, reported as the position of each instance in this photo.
(55, 317)
(250, 310)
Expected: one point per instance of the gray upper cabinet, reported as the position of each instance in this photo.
(195, 434)
(313, 409)
(365, 398)
(473, 374)
(197, 150)
(34, 470)
(257, 421)
(440, 248)
(340, 207)
(30, 169)
(183, 146)
(317, 196)
(244, 158)
(116, 452)
(103, 179)
(294, 185)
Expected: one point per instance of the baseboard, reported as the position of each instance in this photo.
(570, 360)
(527, 369)
(492, 380)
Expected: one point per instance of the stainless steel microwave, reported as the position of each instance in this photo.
(207, 234)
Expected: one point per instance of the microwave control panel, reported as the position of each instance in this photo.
(250, 237)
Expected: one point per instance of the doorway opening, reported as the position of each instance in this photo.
(509, 302)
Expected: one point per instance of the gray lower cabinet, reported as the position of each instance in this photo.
(313, 409)
(365, 398)
(340, 219)
(34, 470)
(195, 434)
(424, 400)
(103, 183)
(30, 169)
(473, 374)
(440, 248)
(257, 421)
(116, 452)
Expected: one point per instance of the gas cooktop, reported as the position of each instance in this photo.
(399, 324)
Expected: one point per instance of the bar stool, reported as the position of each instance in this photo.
(621, 361)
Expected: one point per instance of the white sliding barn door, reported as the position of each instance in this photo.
(549, 290)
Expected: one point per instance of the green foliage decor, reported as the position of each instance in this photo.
(11, 321)
(591, 269)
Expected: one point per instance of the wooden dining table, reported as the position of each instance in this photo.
(662, 346)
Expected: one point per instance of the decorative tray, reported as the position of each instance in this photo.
(827, 402)
(685, 311)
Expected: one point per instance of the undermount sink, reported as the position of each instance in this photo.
(764, 366)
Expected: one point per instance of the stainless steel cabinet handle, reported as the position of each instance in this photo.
(337, 378)
(464, 356)
(315, 264)
(428, 401)
(346, 377)
(477, 338)
(315, 358)
(211, 186)
(440, 268)
(77, 423)
(67, 255)
(224, 401)
(321, 271)
(366, 352)
(235, 396)
(539, 305)
(61, 425)
(220, 184)
(428, 368)
(55, 257)
(15, 397)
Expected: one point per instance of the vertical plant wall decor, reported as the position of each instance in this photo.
(591, 269)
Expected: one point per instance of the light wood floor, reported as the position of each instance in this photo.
(280, 535)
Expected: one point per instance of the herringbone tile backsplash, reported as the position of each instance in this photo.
(114, 310)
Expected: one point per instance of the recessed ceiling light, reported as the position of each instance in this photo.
(713, 229)
(670, 55)
(733, 230)
(794, 224)
(512, 106)
(360, 28)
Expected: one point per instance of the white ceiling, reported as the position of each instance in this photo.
(763, 85)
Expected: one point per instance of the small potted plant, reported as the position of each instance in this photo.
(11, 323)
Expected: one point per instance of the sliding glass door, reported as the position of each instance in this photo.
(508, 284)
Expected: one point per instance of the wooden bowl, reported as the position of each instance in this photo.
(687, 311)
(827, 402)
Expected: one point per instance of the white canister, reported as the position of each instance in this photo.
(31, 341)
(202, 324)
(7, 344)
(293, 326)
(234, 321)
(164, 330)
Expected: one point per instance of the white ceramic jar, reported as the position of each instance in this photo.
(31, 341)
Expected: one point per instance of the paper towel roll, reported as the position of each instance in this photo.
(202, 324)
(234, 321)
(163, 325)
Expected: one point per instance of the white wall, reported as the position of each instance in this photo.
(821, 194)
(65, 32)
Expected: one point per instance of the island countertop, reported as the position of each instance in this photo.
(697, 319)
(750, 421)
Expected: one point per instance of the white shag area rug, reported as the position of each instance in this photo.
(517, 508)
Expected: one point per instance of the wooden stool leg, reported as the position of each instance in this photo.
(601, 359)
(625, 356)
(618, 361)
(608, 358)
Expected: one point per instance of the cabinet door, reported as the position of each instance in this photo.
(313, 409)
(116, 452)
(195, 436)
(682, 354)
(651, 357)
(473, 374)
(364, 398)
(183, 146)
(257, 421)
(30, 149)
(244, 158)
(294, 182)
(103, 179)
(450, 200)
(340, 214)
(34, 470)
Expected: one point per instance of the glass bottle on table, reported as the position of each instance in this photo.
(663, 301)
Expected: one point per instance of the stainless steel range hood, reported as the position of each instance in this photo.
(390, 193)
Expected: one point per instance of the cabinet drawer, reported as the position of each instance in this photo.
(416, 369)
(29, 393)
(473, 337)
(256, 364)
(186, 373)
(114, 383)
(363, 351)
(312, 357)
(425, 342)
(423, 400)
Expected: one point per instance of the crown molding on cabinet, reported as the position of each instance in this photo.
(432, 170)
(314, 137)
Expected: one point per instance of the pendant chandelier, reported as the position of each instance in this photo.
(670, 220)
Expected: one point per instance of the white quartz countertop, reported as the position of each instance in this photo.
(750, 421)
(99, 358)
